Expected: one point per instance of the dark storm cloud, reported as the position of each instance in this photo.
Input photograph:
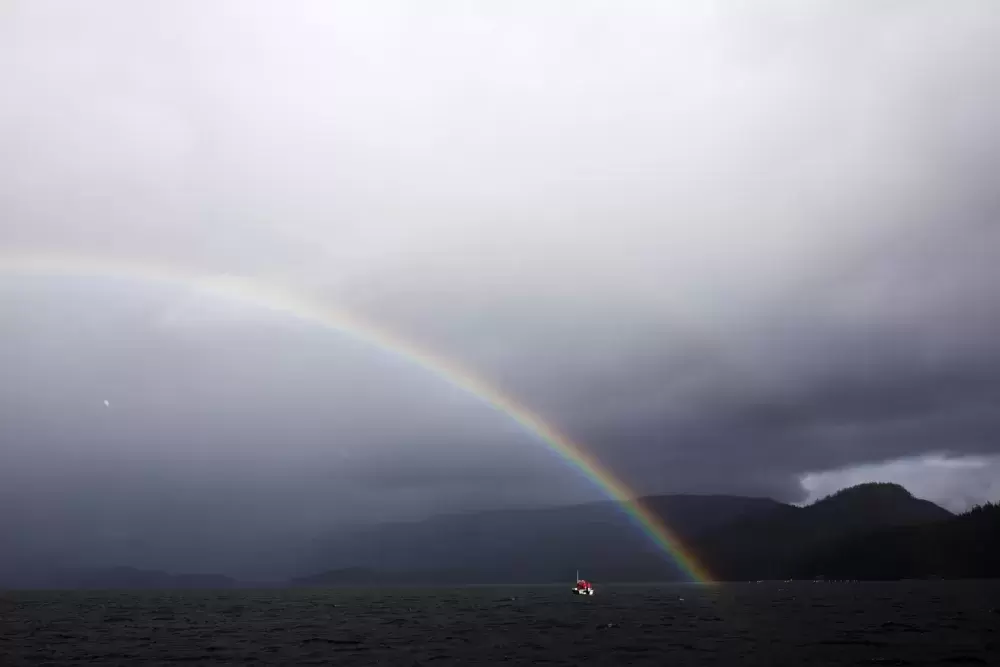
(721, 245)
(908, 368)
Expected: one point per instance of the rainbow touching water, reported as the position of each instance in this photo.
(279, 300)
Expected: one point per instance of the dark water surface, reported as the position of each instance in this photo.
(800, 624)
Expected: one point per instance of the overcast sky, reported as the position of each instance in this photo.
(743, 247)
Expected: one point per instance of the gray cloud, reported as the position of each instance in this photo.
(954, 482)
(722, 245)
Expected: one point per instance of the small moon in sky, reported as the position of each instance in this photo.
(106, 403)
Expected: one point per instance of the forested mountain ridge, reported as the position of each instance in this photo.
(871, 531)
(866, 531)
(781, 544)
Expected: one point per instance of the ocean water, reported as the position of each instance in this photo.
(800, 624)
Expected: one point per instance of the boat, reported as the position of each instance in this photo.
(583, 587)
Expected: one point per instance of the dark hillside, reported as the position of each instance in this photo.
(781, 544)
(537, 545)
(966, 546)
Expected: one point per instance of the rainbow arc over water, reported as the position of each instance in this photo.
(293, 303)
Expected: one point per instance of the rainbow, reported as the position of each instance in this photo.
(273, 298)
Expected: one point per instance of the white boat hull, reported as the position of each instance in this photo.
(586, 591)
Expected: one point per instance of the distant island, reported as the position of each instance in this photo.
(128, 578)
(875, 531)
